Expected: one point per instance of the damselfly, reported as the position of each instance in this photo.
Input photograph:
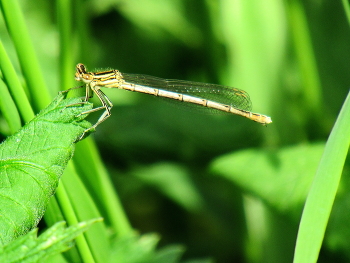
(212, 96)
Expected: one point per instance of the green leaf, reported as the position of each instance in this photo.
(32, 161)
(282, 178)
(142, 249)
(174, 181)
(30, 248)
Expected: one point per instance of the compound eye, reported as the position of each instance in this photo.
(77, 76)
(81, 68)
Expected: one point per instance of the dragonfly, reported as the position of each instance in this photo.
(213, 96)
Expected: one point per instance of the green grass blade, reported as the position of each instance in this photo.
(305, 56)
(82, 206)
(71, 216)
(29, 64)
(98, 182)
(346, 5)
(32, 161)
(82, 31)
(64, 17)
(8, 109)
(320, 200)
(15, 86)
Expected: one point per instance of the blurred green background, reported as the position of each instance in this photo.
(226, 188)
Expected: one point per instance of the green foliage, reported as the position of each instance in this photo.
(282, 178)
(324, 188)
(142, 249)
(224, 187)
(30, 248)
(32, 161)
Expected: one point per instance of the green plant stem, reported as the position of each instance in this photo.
(64, 14)
(98, 181)
(305, 56)
(82, 31)
(86, 208)
(26, 55)
(71, 218)
(15, 87)
(8, 109)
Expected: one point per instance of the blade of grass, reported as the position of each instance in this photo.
(71, 218)
(244, 24)
(64, 20)
(15, 86)
(82, 31)
(346, 5)
(305, 56)
(96, 178)
(83, 208)
(54, 214)
(8, 109)
(26, 55)
(320, 199)
(252, 39)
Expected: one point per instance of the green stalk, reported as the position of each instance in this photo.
(305, 56)
(26, 55)
(66, 69)
(71, 218)
(8, 109)
(15, 87)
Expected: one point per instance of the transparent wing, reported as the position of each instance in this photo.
(218, 93)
